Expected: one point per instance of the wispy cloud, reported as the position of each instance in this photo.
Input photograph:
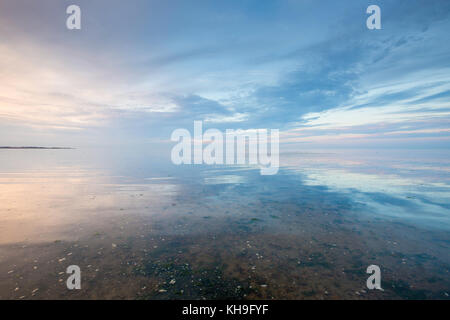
(309, 68)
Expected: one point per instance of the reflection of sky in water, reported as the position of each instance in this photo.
(224, 179)
(324, 213)
(413, 185)
(58, 185)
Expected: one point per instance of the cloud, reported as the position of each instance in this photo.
(311, 69)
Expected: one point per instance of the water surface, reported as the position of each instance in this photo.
(142, 228)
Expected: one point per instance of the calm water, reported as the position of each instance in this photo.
(141, 228)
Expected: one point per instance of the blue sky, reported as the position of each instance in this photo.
(137, 70)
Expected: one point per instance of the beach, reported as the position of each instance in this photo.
(224, 232)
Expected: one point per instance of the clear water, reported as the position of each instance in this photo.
(142, 228)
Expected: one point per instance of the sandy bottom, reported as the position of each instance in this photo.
(221, 240)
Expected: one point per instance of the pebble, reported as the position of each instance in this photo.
(162, 290)
(172, 281)
(61, 260)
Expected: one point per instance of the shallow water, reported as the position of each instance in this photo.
(141, 228)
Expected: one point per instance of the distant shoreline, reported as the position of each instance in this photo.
(45, 148)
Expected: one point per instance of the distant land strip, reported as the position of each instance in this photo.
(45, 148)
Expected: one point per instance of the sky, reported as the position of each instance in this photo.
(137, 70)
